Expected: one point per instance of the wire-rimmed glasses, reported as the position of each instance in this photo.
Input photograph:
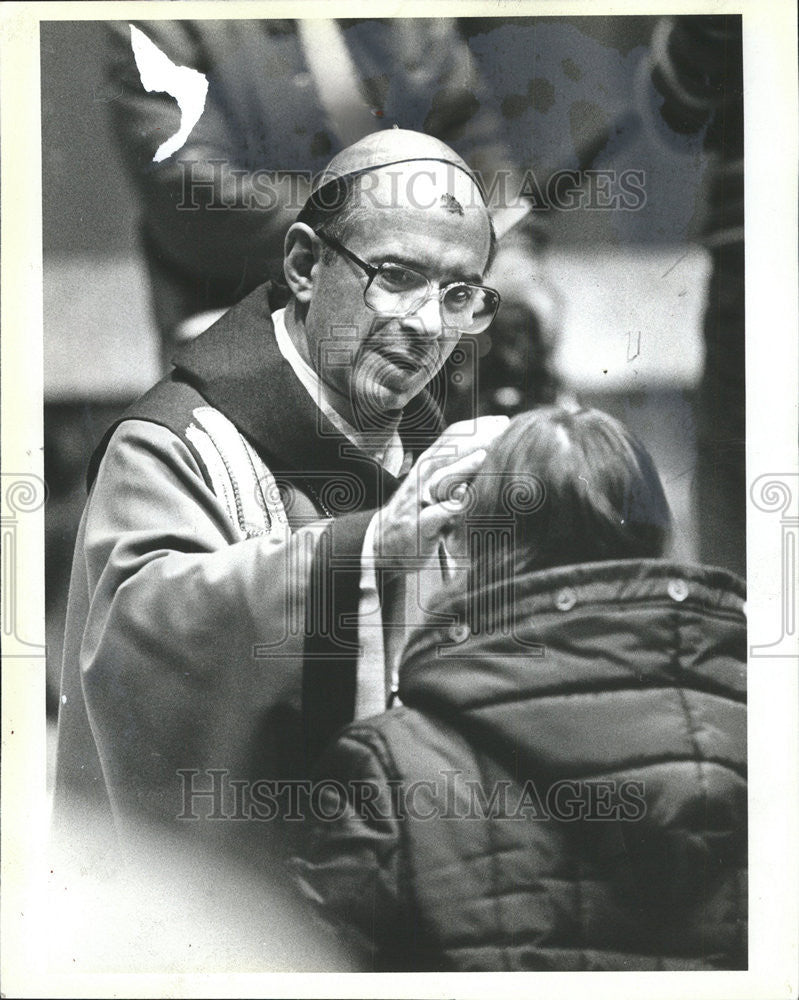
(397, 290)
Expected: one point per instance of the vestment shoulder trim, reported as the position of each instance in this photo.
(239, 477)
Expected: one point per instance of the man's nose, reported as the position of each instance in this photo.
(425, 320)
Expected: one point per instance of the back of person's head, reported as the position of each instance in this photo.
(569, 486)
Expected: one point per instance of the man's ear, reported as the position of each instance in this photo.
(301, 251)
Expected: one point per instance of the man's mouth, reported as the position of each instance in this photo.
(405, 362)
(408, 358)
(398, 367)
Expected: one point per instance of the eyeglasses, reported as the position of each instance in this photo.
(396, 290)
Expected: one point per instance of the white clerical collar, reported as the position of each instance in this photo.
(390, 456)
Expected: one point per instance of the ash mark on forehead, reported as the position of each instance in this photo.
(451, 204)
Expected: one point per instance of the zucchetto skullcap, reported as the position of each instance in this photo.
(385, 149)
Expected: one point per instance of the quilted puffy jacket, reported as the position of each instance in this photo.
(566, 795)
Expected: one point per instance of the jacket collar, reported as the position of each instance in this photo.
(590, 624)
(237, 367)
(570, 687)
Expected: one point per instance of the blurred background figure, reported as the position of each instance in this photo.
(697, 67)
(511, 366)
(604, 268)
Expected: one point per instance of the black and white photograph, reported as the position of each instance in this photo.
(400, 499)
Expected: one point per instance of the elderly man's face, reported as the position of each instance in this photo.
(425, 216)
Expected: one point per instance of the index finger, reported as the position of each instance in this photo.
(440, 484)
(463, 438)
